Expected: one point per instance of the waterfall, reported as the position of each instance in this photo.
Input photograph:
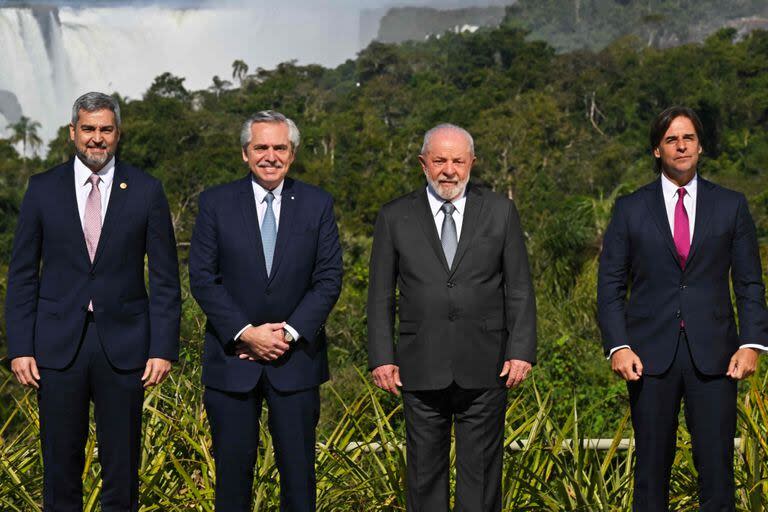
(51, 55)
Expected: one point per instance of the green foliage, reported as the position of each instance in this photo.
(561, 134)
(549, 464)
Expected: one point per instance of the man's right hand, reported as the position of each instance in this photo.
(25, 370)
(626, 364)
(265, 341)
(387, 377)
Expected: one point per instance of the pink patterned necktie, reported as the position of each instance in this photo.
(682, 232)
(93, 220)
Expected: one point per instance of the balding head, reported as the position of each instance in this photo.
(446, 128)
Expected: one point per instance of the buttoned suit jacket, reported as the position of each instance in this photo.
(51, 278)
(639, 259)
(456, 324)
(229, 280)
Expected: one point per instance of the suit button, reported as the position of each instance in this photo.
(92, 275)
(268, 292)
(450, 284)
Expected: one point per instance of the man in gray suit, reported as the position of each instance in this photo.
(467, 314)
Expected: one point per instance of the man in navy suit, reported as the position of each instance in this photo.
(80, 326)
(265, 266)
(673, 244)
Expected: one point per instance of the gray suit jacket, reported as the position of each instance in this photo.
(457, 324)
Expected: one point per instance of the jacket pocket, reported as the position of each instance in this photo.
(494, 324)
(408, 327)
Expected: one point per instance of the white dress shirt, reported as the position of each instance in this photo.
(669, 192)
(83, 187)
(436, 204)
(259, 194)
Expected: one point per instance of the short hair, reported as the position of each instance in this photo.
(447, 126)
(93, 101)
(270, 116)
(660, 125)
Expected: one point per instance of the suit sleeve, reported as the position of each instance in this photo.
(519, 297)
(382, 281)
(226, 317)
(612, 278)
(23, 278)
(164, 288)
(747, 276)
(309, 316)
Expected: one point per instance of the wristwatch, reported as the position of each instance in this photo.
(287, 335)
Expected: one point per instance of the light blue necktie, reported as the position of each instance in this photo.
(269, 232)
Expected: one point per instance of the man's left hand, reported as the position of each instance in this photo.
(156, 371)
(743, 363)
(516, 370)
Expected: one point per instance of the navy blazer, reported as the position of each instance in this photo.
(229, 280)
(51, 279)
(639, 257)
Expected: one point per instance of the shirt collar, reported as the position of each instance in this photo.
(436, 202)
(669, 188)
(260, 192)
(83, 173)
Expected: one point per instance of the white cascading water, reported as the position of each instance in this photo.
(49, 56)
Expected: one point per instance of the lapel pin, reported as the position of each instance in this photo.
(292, 198)
(123, 185)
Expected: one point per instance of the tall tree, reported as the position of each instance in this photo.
(219, 85)
(25, 131)
(239, 71)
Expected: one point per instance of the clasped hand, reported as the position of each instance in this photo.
(264, 342)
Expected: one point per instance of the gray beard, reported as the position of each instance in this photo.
(95, 163)
(449, 194)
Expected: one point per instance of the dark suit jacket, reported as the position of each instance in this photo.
(229, 280)
(51, 279)
(639, 255)
(456, 324)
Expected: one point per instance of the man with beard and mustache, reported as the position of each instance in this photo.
(79, 323)
(265, 266)
(467, 323)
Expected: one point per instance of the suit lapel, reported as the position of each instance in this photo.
(654, 200)
(427, 222)
(288, 204)
(252, 232)
(472, 208)
(704, 208)
(117, 198)
(69, 203)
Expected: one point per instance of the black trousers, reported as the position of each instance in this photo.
(234, 419)
(478, 419)
(64, 403)
(710, 414)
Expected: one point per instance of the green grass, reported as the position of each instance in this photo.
(552, 471)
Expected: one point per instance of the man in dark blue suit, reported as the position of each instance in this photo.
(80, 326)
(265, 266)
(676, 245)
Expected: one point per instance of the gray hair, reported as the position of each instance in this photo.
(93, 101)
(270, 116)
(447, 126)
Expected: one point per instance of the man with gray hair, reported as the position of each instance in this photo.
(265, 266)
(80, 326)
(449, 258)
